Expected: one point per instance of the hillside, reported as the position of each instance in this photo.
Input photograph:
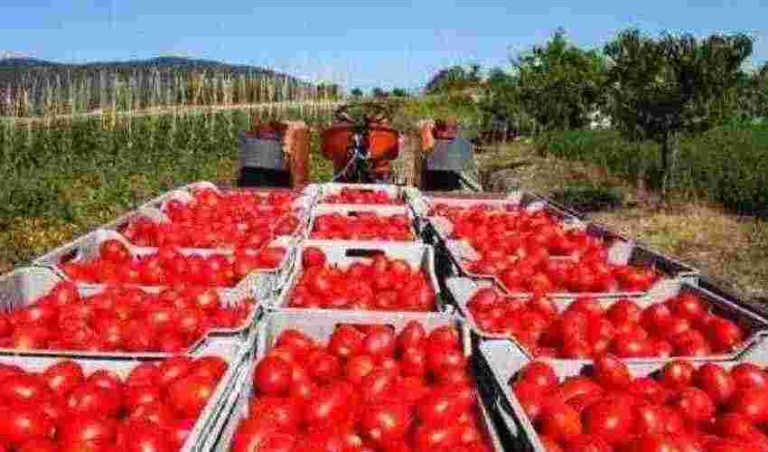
(12, 69)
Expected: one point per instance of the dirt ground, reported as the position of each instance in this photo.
(730, 250)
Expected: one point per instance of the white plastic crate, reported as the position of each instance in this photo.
(343, 253)
(353, 210)
(26, 285)
(461, 291)
(261, 283)
(503, 360)
(220, 402)
(320, 326)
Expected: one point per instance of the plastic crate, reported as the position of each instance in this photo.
(502, 360)
(261, 283)
(621, 251)
(353, 210)
(320, 325)
(343, 253)
(24, 286)
(395, 192)
(220, 401)
(495, 201)
(461, 291)
(305, 198)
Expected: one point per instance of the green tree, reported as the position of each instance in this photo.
(356, 92)
(379, 93)
(559, 84)
(659, 88)
(399, 92)
(453, 79)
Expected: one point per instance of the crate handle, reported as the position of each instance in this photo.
(68, 256)
(360, 252)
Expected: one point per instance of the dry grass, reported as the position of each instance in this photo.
(730, 250)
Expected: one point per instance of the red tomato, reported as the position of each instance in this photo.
(677, 375)
(93, 400)
(139, 395)
(611, 373)
(749, 376)
(296, 340)
(323, 366)
(695, 404)
(559, 421)
(750, 403)
(312, 257)
(345, 341)
(715, 381)
(437, 437)
(610, 419)
(588, 443)
(22, 423)
(538, 374)
(173, 368)
(188, 395)
(385, 423)
(379, 344)
(440, 406)
(87, 429)
(23, 388)
(272, 376)
(412, 335)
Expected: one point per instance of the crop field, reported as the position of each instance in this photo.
(62, 176)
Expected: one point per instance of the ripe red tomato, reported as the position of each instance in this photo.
(559, 421)
(93, 400)
(715, 381)
(23, 388)
(677, 375)
(22, 423)
(272, 376)
(749, 376)
(87, 429)
(752, 404)
(386, 423)
(695, 404)
(538, 374)
(611, 373)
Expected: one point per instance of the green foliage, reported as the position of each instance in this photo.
(454, 79)
(399, 92)
(379, 93)
(727, 164)
(84, 171)
(356, 92)
(559, 84)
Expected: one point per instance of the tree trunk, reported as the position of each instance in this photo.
(665, 165)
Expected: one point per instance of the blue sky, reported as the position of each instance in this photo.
(356, 43)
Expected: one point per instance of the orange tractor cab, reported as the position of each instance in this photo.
(361, 150)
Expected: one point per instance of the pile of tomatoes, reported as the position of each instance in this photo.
(382, 284)
(119, 319)
(353, 196)
(62, 409)
(367, 389)
(534, 252)
(681, 326)
(362, 226)
(680, 408)
(168, 266)
(237, 219)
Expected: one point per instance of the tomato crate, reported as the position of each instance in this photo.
(304, 198)
(338, 222)
(26, 286)
(619, 259)
(219, 403)
(343, 255)
(320, 326)
(752, 328)
(429, 205)
(87, 249)
(248, 207)
(502, 361)
(366, 194)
